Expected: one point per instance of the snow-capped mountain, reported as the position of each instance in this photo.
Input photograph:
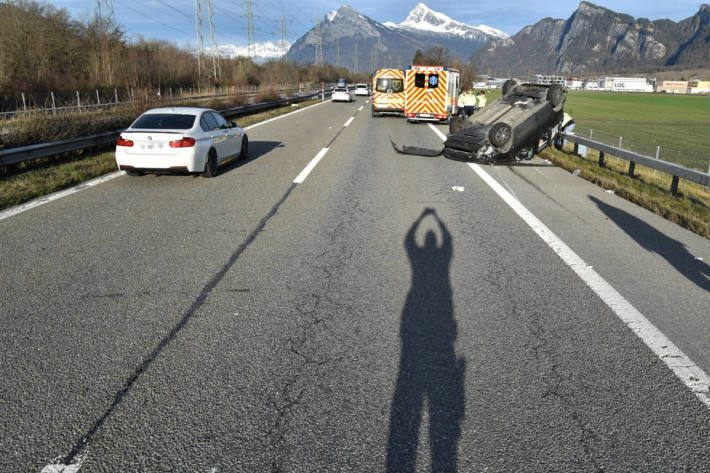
(424, 19)
(349, 38)
(262, 51)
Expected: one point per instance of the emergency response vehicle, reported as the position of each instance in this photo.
(388, 92)
(431, 93)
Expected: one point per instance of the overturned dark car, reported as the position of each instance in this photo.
(519, 124)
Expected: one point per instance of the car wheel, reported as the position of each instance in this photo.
(556, 97)
(211, 164)
(508, 86)
(244, 152)
(500, 135)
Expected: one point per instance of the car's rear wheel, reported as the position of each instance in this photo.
(556, 97)
(211, 164)
(500, 135)
(508, 86)
(244, 152)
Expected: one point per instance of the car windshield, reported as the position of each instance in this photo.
(164, 121)
(388, 85)
(361, 86)
(340, 90)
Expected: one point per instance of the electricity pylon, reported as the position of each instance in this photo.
(199, 37)
(319, 45)
(216, 72)
(250, 30)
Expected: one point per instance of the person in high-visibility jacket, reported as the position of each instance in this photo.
(467, 101)
(481, 99)
(566, 126)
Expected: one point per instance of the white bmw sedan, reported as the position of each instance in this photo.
(179, 139)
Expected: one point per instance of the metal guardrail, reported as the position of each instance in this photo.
(43, 150)
(674, 170)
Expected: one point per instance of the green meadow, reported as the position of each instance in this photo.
(678, 124)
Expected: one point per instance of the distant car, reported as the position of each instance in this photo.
(519, 124)
(361, 89)
(341, 94)
(179, 139)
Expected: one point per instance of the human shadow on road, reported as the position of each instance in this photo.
(428, 370)
(671, 250)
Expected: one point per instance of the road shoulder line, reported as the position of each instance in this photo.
(679, 363)
(7, 213)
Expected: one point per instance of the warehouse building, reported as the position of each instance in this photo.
(700, 87)
(674, 87)
(625, 84)
(542, 79)
(574, 84)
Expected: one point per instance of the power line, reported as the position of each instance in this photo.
(176, 9)
(142, 13)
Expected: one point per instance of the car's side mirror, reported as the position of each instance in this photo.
(233, 125)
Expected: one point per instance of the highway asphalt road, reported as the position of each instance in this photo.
(385, 313)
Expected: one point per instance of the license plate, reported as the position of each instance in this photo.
(426, 115)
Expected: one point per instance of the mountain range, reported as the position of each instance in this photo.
(592, 40)
(350, 39)
(598, 40)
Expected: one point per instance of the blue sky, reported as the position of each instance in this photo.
(173, 20)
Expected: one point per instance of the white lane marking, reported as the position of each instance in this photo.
(684, 368)
(283, 116)
(307, 170)
(62, 468)
(438, 132)
(58, 195)
(361, 107)
(350, 120)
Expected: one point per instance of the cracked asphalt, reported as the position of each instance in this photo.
(248, 324)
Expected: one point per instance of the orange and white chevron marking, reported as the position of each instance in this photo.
(427, 103)
(382, 101)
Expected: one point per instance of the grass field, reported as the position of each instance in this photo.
(679, 124)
